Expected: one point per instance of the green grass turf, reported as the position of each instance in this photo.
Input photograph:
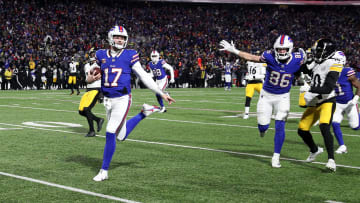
(212, 156)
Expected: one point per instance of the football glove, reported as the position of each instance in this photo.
(305, 88)
(229, 47)
(172, 81)
(355, 100)
(311, 99)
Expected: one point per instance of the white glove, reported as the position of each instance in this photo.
(311, 99)
(355, 100)
(305, 88)
(172, 81)
(229, 47)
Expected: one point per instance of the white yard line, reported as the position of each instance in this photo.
(185, 146)
(68, 188)
(178, 121)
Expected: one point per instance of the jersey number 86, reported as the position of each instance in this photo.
(278, 79)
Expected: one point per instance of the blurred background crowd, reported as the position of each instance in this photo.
(39, 37)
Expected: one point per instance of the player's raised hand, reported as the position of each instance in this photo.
(230, 47)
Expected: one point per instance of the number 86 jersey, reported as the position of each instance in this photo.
(279, 76)
(116, 71)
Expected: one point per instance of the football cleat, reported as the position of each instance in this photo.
(71, 93)
(246, 116)
(275, 162)
(162, 109)
(147, 109)
(313, 156)
(331, 165)
(100, 124)
(102, 175)
(90, 134)
(78, 93)
(262, 134)
(341, 150)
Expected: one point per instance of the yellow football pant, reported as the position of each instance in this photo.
(312, 114)
(251, 88)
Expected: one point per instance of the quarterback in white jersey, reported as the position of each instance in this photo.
(320, 100)
(282, 64)
(89, 99)
(117, 64)
(254, 82)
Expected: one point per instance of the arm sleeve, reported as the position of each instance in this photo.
(170, 68)
(145, 78)
(329, 84)
(355, 83)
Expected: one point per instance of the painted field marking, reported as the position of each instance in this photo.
(178, 121)
(68, 188)
(186, 146)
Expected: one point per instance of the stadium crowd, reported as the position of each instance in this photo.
(39, 37)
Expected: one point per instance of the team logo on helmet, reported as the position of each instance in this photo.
(283, 47)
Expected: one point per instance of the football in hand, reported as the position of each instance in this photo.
(96, 71)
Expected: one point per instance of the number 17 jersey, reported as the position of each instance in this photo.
(116, 71)
(279, 76)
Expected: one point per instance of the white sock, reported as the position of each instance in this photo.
(247, 109)
(276, 155)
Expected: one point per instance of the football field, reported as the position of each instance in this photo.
(201, 150)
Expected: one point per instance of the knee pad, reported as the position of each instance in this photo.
(281, 115)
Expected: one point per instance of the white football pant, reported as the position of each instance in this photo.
(227, 78)
(351, 111)
(269, 103)
(163, 83)
(116, 112)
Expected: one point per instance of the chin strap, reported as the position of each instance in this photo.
(114, 53)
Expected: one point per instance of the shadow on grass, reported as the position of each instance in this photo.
(196, 143)
(79, 130)
(267, 161)
(95, 163)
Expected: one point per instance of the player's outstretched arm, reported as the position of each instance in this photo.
(230, 47)
(149, 82)
(167, 98)
(171, 70)
(356, 83)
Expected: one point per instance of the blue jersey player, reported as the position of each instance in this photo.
(228, 70)
(117, 63)
(346, 101)
(282, 63)
(158, 67)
